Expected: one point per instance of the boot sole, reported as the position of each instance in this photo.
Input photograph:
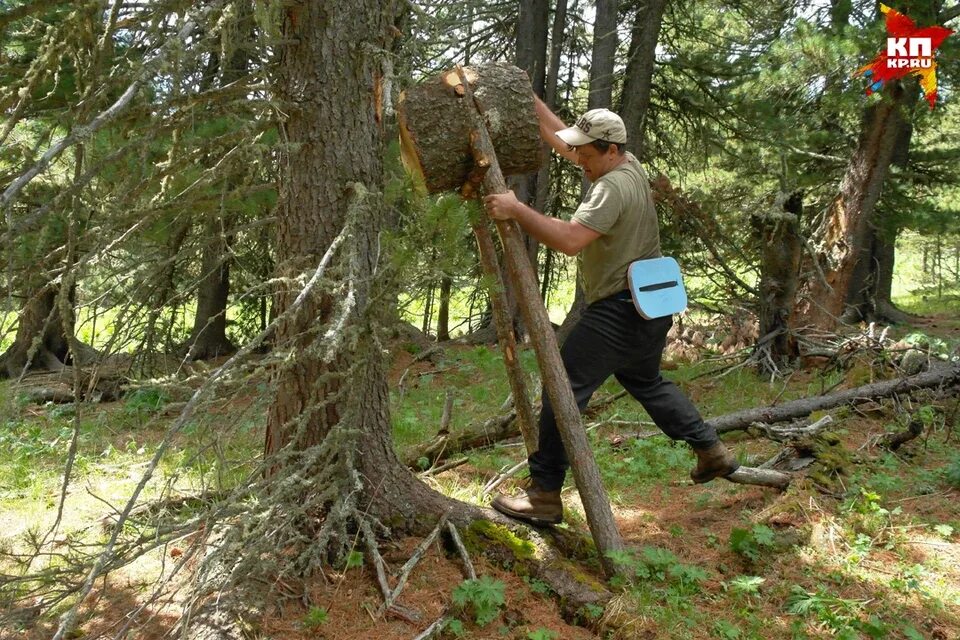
(516, 515)
(713, 476)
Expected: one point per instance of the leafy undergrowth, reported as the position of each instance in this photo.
(866, 544)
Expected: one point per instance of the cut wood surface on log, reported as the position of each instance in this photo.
(435, 137)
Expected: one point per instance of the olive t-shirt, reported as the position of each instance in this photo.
(620, 206)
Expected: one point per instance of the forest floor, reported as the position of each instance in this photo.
(868, 546)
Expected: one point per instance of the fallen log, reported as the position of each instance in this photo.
(481, 434)
(942, 376)
(792, 432)
(760, 477)
(96, 385)
(474, 436)
(894, 441)
(503, 427)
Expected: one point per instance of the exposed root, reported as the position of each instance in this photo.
(412, 562)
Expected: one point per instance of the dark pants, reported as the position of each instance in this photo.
(612, 338)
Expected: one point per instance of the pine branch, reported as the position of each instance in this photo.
(82, 132)
(25, 10)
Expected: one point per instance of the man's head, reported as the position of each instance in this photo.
(596, 124)
(599, 138)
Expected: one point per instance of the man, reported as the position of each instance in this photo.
(615, 225)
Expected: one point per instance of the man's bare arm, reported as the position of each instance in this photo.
(549, 125)
(568, 237)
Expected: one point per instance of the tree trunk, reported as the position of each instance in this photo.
(208, 339)
(427, 322)
(544, 186)
(39, 318)
(531, 39)
(333, 176)
(602, 58)
(443, 311)
(884, 249)
(780, 243)
(869, 296)
(846, 225)
(638, 77)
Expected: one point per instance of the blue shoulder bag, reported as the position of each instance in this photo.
(656, 287)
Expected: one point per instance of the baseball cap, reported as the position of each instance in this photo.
(596, 124)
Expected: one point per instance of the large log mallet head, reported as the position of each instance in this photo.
(435, 135)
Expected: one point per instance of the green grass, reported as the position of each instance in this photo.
(115, 443)
(475, 377)
(933, 301)
(925, 292)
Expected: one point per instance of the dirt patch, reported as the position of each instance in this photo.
(352, 601)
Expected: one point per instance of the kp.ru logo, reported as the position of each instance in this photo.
(909, 51)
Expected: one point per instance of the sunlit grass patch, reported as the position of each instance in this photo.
(933, 300)
(476, 379)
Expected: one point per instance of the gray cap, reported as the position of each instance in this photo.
(596, 124)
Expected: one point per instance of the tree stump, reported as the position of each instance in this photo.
(435, 136)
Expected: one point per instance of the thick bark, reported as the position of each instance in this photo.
(846, 224)
(435, 137)
(780, 243)
(335, 149)
(638, 77)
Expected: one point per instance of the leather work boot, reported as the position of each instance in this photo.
(715, 462)
(535, 506)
